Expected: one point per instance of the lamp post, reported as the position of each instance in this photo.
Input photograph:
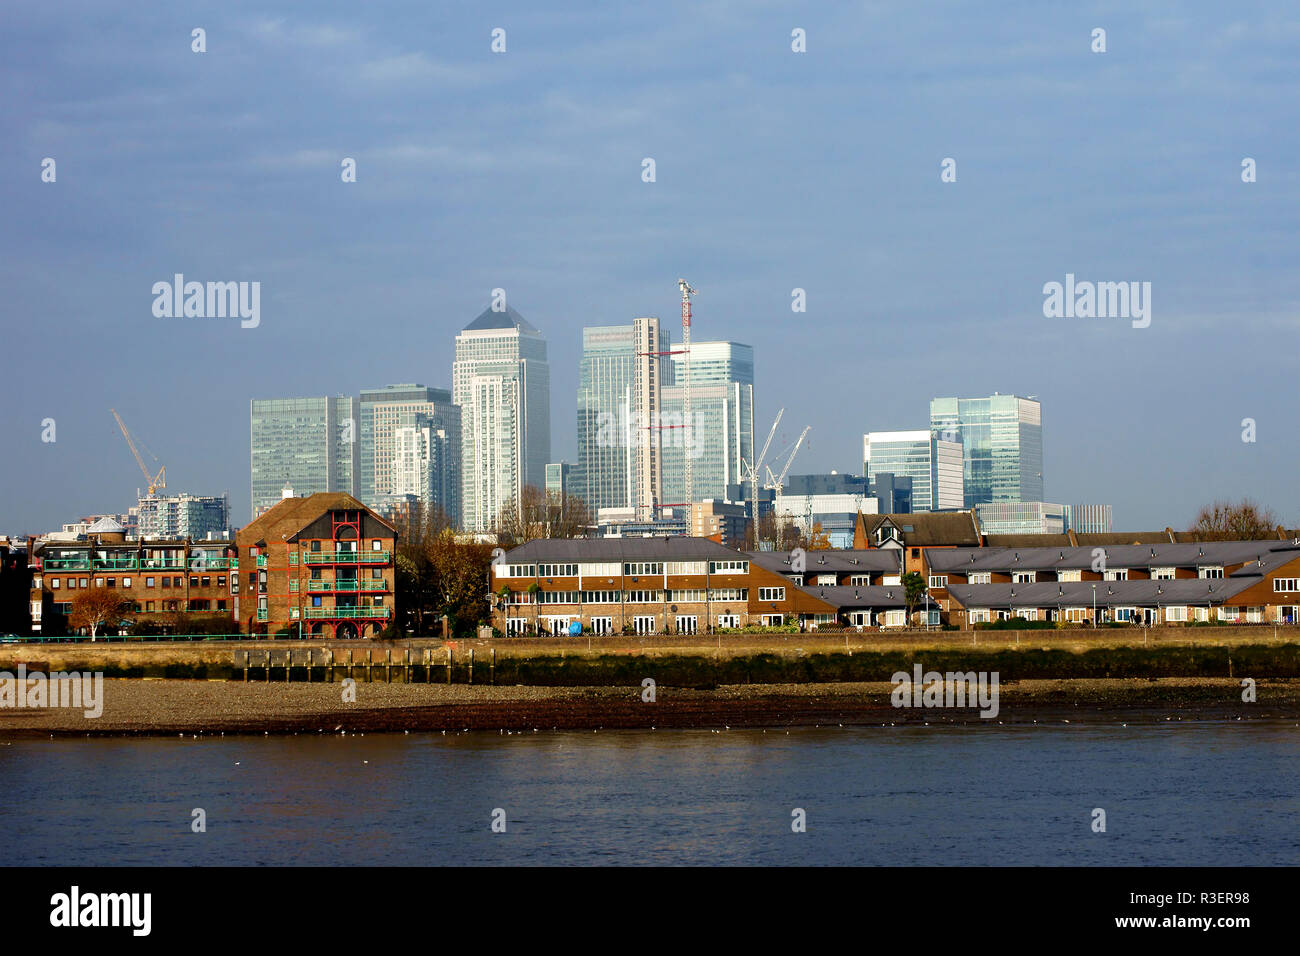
(1094, 606)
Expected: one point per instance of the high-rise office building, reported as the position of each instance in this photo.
(1089, 519)
(308, 443)
(426, 463)
(616, 406)
(721, 434)
(182, 516)
(559, 479)
(934, 465)
(1002, 440)
(502, 382)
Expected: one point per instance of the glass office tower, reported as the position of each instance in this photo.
(933, 465)
(1002, 440)
(427, 464)
(307, 443)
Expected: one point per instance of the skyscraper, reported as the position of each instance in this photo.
(411, 445)
(934, 465)
(617, 403)
(502, 382)
(308, 443)
(1002, 440)
(722, 433)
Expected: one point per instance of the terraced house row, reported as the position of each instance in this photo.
(689, 585)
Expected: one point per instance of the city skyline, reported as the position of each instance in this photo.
(368, 281)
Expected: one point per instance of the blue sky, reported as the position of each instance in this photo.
(775, 170)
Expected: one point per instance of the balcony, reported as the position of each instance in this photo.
(346, 587)
(261, 614)
(346, 557)
(66, 564)
(162, 564)
(261, 560)
(214, 564)
(347, 612)
(115, 564)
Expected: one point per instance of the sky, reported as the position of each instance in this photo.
(775, 170)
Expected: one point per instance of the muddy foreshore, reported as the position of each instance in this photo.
(188, 707)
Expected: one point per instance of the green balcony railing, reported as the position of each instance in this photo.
(197, 563)
(348, 587)
(66, 564)
(346, 557)
(261, 614)
(261, 560)
(162, 564)
(347, 612)
(115, 564)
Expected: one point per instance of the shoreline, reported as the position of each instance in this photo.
(168, 708)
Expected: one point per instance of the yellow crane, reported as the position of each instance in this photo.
(155, 481)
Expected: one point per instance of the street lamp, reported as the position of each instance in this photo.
(1094, 606)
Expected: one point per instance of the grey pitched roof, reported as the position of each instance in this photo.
(676, 548)
(1142, 593)
(826, 562)
(1187, 555)
(877, 596)
(509, 319)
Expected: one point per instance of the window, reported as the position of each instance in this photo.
(178, 582)
(1024, 577)
(644, 597)
(1028, 613)
(601, 597)
(112, 582)
(315, 602)
(688, 567)
(938, 580)
(860, 580)
(979, 577)
(54, 584)
(728, 620)
(771, 594)
(892, 579)
(1209, 571)
(729, 594)
(773, 620)
(376, 545)
(205, 580)
(221, 580)
(315, 546)
(376, 573)
(643, 625)
(895, 618)
(1286, 584)
(1202, 613)
(686, 624)
(686, 597)
(557, 570)
(81, 582)
(978, 615)
(1118, 574)
(166, 582)
(194, 582)
(517, 570)
(99, 582)
(557, 597)
(1176, 613)
(221, 606)
(643, 568)
(1074, 575)
(1125, 613)
(728, 567)
(602, 625)
(1162, 574)
(126, 582)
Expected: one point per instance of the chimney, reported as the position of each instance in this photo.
(286, 491)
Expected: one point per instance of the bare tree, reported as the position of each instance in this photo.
(538, 514)
(96, 607)
(774, 533)
(1227, 521)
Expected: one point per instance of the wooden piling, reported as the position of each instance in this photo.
(309, 663)
(450, 655)
(492, 667)
(370, 666)
(268, 667)
(349, 663)
(388, 666)
(246, 653)
(428, 666)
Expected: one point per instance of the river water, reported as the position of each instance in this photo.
(1188, 793)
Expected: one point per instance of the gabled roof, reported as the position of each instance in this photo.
(1142, 593)
(927, 528)
(105, 525)
(1189, 555)
(509, 319)
(845, 596)
(860, 561)
(290, 515)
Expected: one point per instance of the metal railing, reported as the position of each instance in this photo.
(346, 612)
(345, 586)
(347, 557)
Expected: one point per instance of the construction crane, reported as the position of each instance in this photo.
(751, 471)
(687, 430)
(778, 482)
(154, 481)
